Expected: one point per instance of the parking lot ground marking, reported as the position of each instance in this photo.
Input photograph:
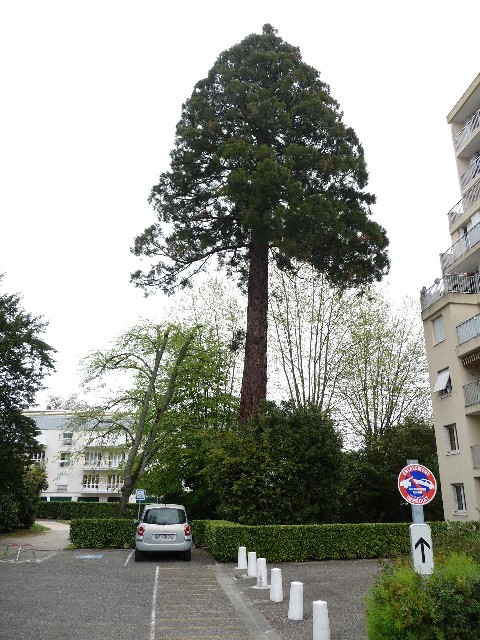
(154, 605)
(129, 556)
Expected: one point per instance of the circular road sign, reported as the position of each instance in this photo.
(417, 484)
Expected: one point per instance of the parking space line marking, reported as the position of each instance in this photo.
(47, 557)
(129, 556)
(154, 605)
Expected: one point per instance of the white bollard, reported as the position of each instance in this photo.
(262, 576)
(242, 558)
(295, 605)
(321, 625)
(252, 564)
(276, 587)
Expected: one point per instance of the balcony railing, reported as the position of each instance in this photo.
(472, 195)
(476, 456)
(468, 329)
(467, 131)
(471, 393)
(98, 487)
(453, 283)
(102, 466)
(461, 247)
(472, 172)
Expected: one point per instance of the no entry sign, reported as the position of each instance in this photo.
(417, 484)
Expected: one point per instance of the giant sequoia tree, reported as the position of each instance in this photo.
(262, 166)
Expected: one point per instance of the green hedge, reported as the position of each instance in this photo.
(288, 543)
(298, 543)
(89, 533)
(78, 510)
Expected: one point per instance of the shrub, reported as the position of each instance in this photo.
(79, 510)
(297, 543)
(9, 516)
(445, 606)
(89, 533)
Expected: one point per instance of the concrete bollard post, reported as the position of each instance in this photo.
(276, 587)
(321, 625)
(295, 605)
(242, 558)
(252, 564)
(262, 576)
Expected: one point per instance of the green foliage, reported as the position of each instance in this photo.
(446, 606)
(81, 510)
(25, 359)
(385, 374)
(370, 474)
(462, 537)
(298, 543)
(262, 165)
(104, 533)
(9, 512)
(261, 151)
(283, 468)
(34, 481)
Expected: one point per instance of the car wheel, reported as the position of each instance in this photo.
(139, 555)
(187, 555)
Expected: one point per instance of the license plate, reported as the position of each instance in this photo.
(164, 536)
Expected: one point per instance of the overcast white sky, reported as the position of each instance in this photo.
(91, 93)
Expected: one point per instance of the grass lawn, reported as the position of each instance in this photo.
(23, 533)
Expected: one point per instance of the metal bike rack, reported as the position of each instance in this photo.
(22, 548)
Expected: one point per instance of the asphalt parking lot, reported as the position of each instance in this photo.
(104, 594)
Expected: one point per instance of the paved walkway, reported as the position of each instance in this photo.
(55, 539)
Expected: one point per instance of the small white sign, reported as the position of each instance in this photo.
(422, 549)
(140, 494)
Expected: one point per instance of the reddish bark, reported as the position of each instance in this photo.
(254, 381)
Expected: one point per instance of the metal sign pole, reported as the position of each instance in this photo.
(417, 509)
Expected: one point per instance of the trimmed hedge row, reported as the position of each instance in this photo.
(89, 533)
(288, 543)
(298, 543)
(78, 510)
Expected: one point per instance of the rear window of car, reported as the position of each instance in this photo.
(165, 515)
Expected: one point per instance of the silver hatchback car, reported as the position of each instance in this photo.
(163, 527)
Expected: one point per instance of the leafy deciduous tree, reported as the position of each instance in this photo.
(262, 163)
(385, 378)
(310, 323)
(144, 364)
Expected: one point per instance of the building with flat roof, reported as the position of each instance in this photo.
(79, 467)
(451, 319)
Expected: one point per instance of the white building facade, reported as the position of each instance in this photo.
(78, 467)
(451, 319)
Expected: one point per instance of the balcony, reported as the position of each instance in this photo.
(453, 283)
(472, 197)
(102, 465)
(471, 394)
(472, 172)
(458, 252)
(468, 329)
(470, 128)
(101, 487)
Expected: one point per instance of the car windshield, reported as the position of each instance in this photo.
(165, 515)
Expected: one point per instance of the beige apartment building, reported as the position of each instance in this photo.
(451, 318)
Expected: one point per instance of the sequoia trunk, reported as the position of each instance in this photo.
(254, 381)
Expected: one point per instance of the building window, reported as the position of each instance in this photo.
(93, 459)
(459, 504)
(114, 482)
(65, 459)
(451, 438)
(38, 457)
(443, 385)
(67, 439)
(438, 330)
(90, 481)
